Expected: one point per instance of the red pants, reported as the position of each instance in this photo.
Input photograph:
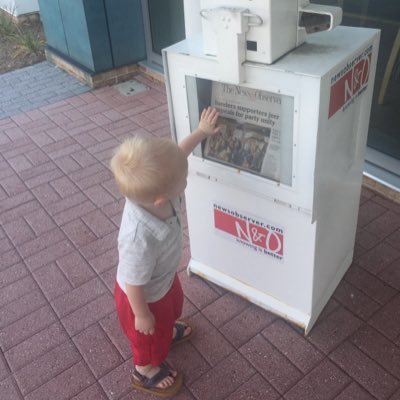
(151, 349)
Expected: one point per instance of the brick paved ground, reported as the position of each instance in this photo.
(59, 338)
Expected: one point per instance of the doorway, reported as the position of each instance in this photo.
(164, 25)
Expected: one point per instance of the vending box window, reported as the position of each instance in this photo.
(272, 202)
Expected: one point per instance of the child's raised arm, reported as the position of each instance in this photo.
(207, 127)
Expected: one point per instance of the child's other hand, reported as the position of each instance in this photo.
(208, 121)
(145, 324)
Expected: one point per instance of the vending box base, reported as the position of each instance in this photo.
(263, 300)
(249, 293)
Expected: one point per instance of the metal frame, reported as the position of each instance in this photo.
(382, 168)
(154, 60)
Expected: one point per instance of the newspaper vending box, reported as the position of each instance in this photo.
(272, 202)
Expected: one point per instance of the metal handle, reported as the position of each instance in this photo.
(203, 14)
(259, 20)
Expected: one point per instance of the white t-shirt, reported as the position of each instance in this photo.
(149, 250)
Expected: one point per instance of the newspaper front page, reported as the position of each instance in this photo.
(251, 129)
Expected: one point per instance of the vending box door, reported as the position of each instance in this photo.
(193, 84)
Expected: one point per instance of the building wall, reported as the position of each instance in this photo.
(19, 7)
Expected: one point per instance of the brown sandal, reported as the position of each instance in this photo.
(148, 385)
(180, 327)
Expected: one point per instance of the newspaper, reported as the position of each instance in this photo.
(251, 129)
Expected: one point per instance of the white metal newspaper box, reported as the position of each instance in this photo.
(272, 202)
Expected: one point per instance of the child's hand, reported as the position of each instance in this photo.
(145, 324)
(208, 121)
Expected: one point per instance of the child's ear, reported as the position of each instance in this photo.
(160, 201)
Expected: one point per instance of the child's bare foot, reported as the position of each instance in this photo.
(183, 331)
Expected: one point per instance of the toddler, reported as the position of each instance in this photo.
(151, 173)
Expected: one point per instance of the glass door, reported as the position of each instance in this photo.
(164, 25)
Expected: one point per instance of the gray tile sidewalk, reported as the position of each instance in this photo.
(29, 88)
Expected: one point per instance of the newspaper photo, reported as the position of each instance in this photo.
(250, 122)
(241, 145)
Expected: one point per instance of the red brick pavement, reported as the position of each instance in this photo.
(59, 338)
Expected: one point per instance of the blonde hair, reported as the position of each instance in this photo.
(145, 168)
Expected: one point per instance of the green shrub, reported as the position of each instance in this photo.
(28, 41)
(8, 26)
